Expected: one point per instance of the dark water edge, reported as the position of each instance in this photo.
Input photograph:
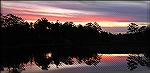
(104, 47)
(84, 50)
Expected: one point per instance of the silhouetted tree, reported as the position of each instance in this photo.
(132, 28)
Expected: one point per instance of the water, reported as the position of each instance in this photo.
(108, 62)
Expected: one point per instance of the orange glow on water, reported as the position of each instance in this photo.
(48, 55)
(114, 57)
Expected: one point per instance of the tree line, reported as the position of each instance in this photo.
(22, 41)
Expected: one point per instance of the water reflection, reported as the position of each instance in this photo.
(131, 61)
(134, 60)
(94, 62)
(48, 55)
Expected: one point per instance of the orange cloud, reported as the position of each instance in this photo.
(33, 16)
(75, 19)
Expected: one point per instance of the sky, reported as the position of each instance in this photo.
(113, 16)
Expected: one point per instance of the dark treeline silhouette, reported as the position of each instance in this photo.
(22, 41)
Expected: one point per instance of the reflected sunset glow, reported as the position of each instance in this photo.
(113, 57)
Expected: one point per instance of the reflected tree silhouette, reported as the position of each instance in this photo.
(134, 60)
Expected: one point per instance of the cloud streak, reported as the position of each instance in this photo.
(134, 11)
(81, 11)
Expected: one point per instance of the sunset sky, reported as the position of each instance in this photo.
(113, 16)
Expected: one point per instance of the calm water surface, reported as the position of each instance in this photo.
(108, 62)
